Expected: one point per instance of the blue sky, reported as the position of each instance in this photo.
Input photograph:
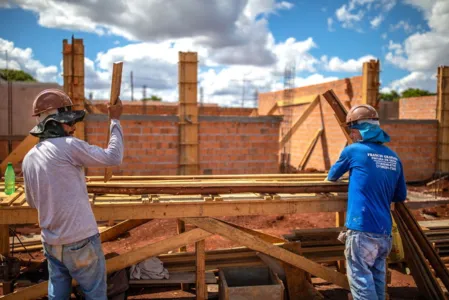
(243, 45)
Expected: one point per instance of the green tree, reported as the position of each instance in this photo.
(15, 75)
(415, 93)
(152, 98)
(391, 96)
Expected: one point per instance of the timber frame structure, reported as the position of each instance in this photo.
(200, 200)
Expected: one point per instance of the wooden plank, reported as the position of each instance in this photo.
(113, 232)
(17, 155)
(196, 177)
(340, 218)
(298, 122)
(181, 227)
(229, 232)
(309, 149)
(20, 200)
(319, 203)
(201, 288)
(188, 113)
(122, 261)
(115, 93)
(175, 278)
(4, 240)
(11, 198)
(370, 82)
(216, 187)
(261, 235)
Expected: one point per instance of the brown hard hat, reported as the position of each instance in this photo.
(50, 99)
(361, 112)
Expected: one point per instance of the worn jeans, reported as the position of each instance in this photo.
(366, 255)
(83, 261)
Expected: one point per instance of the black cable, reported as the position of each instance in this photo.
(15, 233)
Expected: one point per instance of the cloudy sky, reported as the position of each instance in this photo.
(243, 45)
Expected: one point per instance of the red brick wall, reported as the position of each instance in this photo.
(228, 145)
(171, 109)
(421, 108)
(415, 142)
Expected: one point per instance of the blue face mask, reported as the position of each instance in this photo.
(371, 133)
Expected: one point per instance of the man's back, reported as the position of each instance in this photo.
(376, 180)
(55, 185)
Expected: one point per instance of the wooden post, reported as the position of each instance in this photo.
(340, 222)
(188, 114)
(370, 84)
(443, 118)
(188, 120)
(201, 287)
(73, 72)
(7, 286)
(298, 284)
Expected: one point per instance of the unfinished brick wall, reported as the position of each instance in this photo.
(332, 140)
(171, 109)
(228, 145)
(418, 108)
(415, 142)
(239, 145)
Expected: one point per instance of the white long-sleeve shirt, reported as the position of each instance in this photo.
(55, 184)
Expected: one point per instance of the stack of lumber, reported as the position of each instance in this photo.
(242, 257)
(420, 255)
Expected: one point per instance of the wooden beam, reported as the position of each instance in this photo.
(229, 232)
(215, 187)
(115, 231)
(11, 198)
(443, 118)
(17, 155)
(309, 149)
(201, 288)
(115, 93)
(298, 285)
(122, 261)
(298, 101)
(188, 114)
(300, 204)
(181, 228)
(370, 83)
(261, 235)
(298, 122)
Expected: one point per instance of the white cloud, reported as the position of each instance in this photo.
(330, 22)
(421, 80)
(402, 25)
(422, 52)
(236, 30)
(376, 21)
(335, 64)
(352, 14)
(23, 59)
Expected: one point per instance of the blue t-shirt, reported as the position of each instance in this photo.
(376, 179)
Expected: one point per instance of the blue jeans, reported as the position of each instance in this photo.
(83, 261)
(366, 255)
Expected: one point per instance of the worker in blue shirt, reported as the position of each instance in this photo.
(376, 179)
